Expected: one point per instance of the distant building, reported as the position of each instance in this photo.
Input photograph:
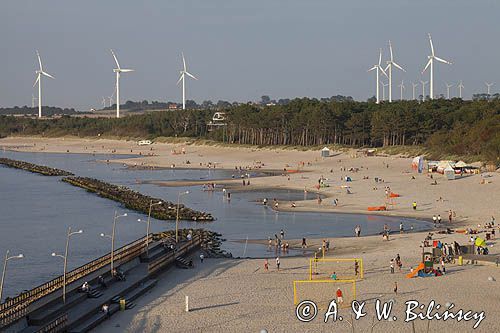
(172, 106)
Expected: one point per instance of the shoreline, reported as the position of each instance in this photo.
(470, 209)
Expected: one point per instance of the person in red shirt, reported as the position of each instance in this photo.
(340, 300)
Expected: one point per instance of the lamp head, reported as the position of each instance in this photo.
(20, 255)
(53, 254)
(102, 235)
(80, 231)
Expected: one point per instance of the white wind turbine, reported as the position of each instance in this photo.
(383, 89)
(448, 86)
(415, 85)
(118, 71)
(423, 89)
(38, 80)
(391, 63)
(378, 69)
(103, 102)
(460, 87)
(182, 78)
(402, 87)
(430, 63)
(488, 85)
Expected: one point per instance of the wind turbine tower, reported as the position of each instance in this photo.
(402, 87)
(388, 69)
(460, 87)
(182, 78)
(383, 89)
(448, 86)
(378, 69)
(118, 72)
(423, 89)
(488, 87)
(415, 85)
(430, 64)
(39, 74)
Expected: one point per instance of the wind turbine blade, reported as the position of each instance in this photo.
(399, 67)
(127, 70)
(183, 61)
(39, 60)
(36, 81)
(180, 78)
(48, 75)
(380, 57)
(387, 67)
(374, 67)
(442, 60)
(191, 75)
(390, 50)
(382, 70)
(432, 46)
(116, 60)
(426, 66)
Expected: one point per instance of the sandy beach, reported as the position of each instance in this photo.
(239, 296)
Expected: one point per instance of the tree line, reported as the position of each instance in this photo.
(446, 127)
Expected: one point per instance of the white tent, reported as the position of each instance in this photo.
(325, 152)
(449, 172)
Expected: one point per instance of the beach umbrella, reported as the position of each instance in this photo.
(480, 242)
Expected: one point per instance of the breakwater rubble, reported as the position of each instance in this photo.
(137, 201)
(40, 169)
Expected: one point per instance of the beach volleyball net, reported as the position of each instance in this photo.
(336, 268)
(322, 292)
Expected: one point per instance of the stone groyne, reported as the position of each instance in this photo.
(137, 201)
(41, 169)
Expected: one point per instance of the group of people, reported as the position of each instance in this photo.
(279, 243)
(396, 262)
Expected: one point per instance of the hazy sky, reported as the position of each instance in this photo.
(240, 50)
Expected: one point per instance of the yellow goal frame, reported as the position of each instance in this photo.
(314, 261)
(296, 282)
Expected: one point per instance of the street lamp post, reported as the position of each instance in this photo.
(65, 257)
(7, 258)
(151, 204)
(115, 218)
(177, 215)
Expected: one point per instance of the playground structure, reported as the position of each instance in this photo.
(343, 268)
(322, 292)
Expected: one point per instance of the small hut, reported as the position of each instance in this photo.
(325, 152)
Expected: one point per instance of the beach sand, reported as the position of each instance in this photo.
(238, 296)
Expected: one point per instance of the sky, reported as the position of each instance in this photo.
(240, 50)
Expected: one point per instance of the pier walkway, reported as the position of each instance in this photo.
(46, 312)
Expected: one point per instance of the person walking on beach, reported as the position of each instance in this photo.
(304, 244)
(401, 228)
(201, 258)
(282, 234)
(439, 219)
(398, 262)
(450, 216)
(278, 263)
(414, 205)
(434, 218)
(396, 288)
(266, 265)
(392, 266)
(356, 268)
